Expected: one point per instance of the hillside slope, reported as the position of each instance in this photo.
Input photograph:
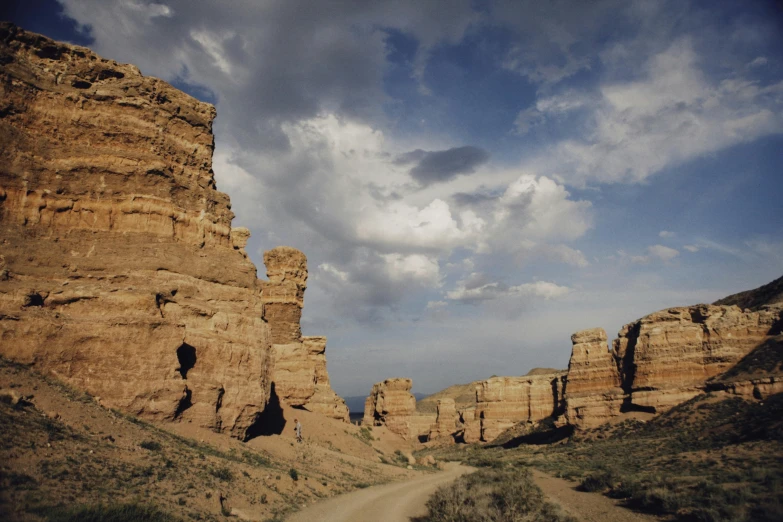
(753, 299)
(60, 449)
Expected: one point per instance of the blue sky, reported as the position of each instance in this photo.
(473, 181)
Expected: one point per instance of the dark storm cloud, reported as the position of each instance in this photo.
(442, 165)
(273, 62)
(469, 199)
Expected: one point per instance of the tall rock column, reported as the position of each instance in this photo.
(593, 391)
(391, 404)
(300, 377)
(447, 420)
(286, 269)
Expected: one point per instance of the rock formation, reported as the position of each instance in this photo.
(300, 375)
(391, 404)
(592, 392)
(286, 271)
(656, 362)
(503, 402)
(666, 357)
(446, 421)
(119, 269)
(121, 272)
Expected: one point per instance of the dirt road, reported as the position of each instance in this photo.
(587, 507)
(396, 502)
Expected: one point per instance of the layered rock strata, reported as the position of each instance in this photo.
(300, 375)
(657, 362)
(503, 402)
(666, 357)
(391, 404)
(121, 272)
(593, 392)
(447, 421)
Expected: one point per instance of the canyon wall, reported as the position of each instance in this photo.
(667, 357)
(121, 273)
(657, 362)
(300, 377)
(503, 402)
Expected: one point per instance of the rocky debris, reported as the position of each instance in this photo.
(300, 375)
(121, 272)
(429, 460)
(391, 404)
(592, 392)
(503, 402)
(665, 358)
(447, 420)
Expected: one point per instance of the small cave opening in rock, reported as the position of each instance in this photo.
(184, 403)
(271, 421)
(33, 299)
(186, 354)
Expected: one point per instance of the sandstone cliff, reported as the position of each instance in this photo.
(120, 271)
(666, 357)
(392, 404)
(503, 402)
(656, 362)
(447, 420)
(300, 375)
(592, 392)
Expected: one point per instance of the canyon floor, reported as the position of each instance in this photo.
(715, 458)
(398, 502)
(61, 450)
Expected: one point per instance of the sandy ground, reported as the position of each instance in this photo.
(587, 507)
(388, 503)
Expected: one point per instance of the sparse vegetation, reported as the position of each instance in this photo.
(151, 445)
(710, 459)
(107, 513)
(222, 473)
(493, 495)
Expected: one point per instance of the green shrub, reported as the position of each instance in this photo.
(492, 495)
(293, 474)
(223, 474)
(110, 513)
(599, 481)
(366, 434)
(151, 445)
